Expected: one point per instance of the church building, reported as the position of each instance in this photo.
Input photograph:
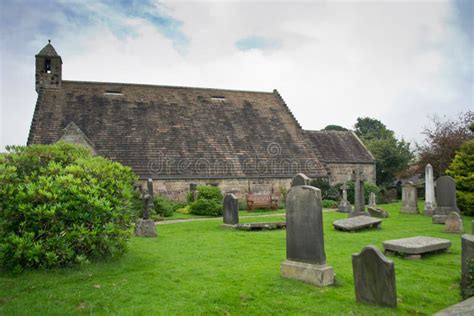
(241, 141)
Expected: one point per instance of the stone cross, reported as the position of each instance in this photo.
(300, 179)
(306, 258)
(467, 255)
(359, 199)
(430, 201)
(193, 189)
(148, 199)
(409, 198)
(453, 223)
(231, 209)
(344, 206)
(445, 199)
(374, 278)
(372, 200)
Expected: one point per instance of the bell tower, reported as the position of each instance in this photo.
(48, 73)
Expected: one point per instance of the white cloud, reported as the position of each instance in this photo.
(337, 61)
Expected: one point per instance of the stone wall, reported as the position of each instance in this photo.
(177, 189)
(341, 172)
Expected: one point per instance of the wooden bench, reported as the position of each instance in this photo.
(262, 201)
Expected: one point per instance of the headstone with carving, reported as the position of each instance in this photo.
(409, 198)
(359, 199)
(231, 210)
(300, 179)
(467, 259)
(145, 227)
(453, 223)
(374, 278)
(344, 206)
(430, 201)
(306, 258)
(445, 199)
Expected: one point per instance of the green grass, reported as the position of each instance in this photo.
(200, 268)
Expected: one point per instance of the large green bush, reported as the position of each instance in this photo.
(209, 201)
(60, 205)
(462, 170)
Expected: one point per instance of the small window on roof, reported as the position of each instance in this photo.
(217, 98)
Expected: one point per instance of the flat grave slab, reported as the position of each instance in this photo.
(261, 226)
(357, 223)
(417, 246)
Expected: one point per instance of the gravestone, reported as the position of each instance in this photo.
(231, 210)
(145, 227)
(372, 200)
(374, 278)
(453, 223)
(467, 256)
(306, 258)
(389, 195)
(359, 199)
(344, 206)
(409, 199)
(193, 190)
(357, 223)
(378, 212)
(300, 179)
(415, 247)
(430, 201)
(464, 308)
(445, 199)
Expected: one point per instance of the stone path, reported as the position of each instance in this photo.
(185, 220)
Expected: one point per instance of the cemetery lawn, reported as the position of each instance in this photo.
(200, 268)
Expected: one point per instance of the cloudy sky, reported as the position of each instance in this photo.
(397, 61)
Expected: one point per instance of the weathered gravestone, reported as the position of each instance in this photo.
(306, 258)
(374, 278)
(359, 198)
(357, 223)
(445, 199)
(464, 308)
(145, 227)
(467, 257)
(416, 247)
(372, 200)
(344, 206)
(231, 210)
(193, 190)
(378, 212)
(300, 179)
(453, 223)
(430, 201)
(409, 198)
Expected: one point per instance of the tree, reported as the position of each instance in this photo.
(335, 128)
(392, 155)
(443, 139)
(462, 170)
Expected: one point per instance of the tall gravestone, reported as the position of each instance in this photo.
(306, 258)
(374, 278)
(231, 210)
(372, 200)
(344, 206)
(467, 258)
(409, 198)
(193, 190)
(445, 199)
(430, 201)
(145, 227)
(359, 198)
(300, 179)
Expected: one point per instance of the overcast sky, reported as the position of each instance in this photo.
(332, 62)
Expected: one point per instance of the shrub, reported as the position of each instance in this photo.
(60, 205)
(328, 192)
(184, 210)
(461, 169)
(329, 204)
(209, 201)
(163, 206)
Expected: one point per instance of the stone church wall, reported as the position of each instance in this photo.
(340, 172)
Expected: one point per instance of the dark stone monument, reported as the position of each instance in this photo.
(409, 199)
(344, 206)
(467, 255)
(453, 223)
(306, 258)
(231, 210)
(359, 199)
(300, 179)
(193, 190)
(445, 199)
(374, 278)
(145, 227)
